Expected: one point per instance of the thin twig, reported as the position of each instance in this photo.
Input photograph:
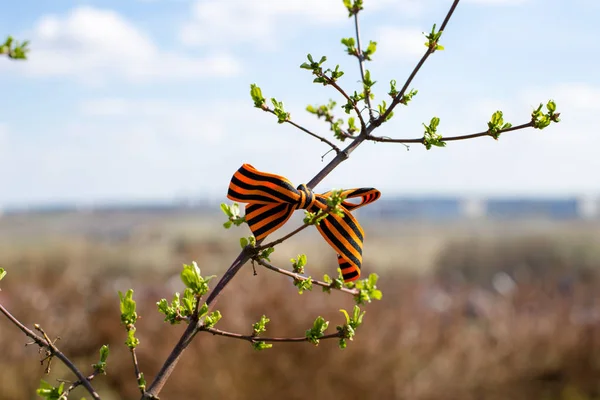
(333, 83)
(294, 275)
(303, 129)
(77, 383)
(430, 50)
(47, 344)
(361, 62)
(450, 138)
(282, 239)
(138, 374)
(254, 339)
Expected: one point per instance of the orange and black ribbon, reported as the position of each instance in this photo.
(271, 199)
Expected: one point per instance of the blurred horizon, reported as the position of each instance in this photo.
(416, 207)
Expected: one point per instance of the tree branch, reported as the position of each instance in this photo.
(171, 362)
(294, 275)
(254, 339)
(450, 138)
(361, 62)
(303, 129)
(430, 50)
(138, 374)
(77, 383)
(246, 254)
(47, 344)
(282, 239)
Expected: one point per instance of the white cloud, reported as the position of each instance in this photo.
(175, 121)
(256, 22)
(401, 43)
(262, 22)
(95, 45)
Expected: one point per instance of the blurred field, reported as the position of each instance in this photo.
(471, 310)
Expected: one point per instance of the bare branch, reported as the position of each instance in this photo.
(291, 274)
(450, 138)
(47, 344)
(254, 339)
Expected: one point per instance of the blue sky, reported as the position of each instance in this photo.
(149, 100)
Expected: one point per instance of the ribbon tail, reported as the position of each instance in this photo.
(345, 236)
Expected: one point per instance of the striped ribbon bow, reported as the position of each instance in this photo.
(271, 199)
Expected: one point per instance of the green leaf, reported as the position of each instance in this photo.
(314, 334)
(180, 308)
(432, 39)
(367, 290)
(226, 210)
(191, 278)
(266, 253)
(260, 326)
(303, 284)
(348, 330)
(132, 342)
(496, 124)
(101, 365)
(261, 346)
(232, 212)
(368, 83)
(542, 120)
(142, 382)
(2, 273)
(14, 50)
(211, 320)
(348, 42)
(49, 392)
(371, 49)
(203, 310)
(282, 115)
(346, 315)
(431, 137)
(408, 97)
(393, 90)
(299, 263)
(257, 97)
(128, 306)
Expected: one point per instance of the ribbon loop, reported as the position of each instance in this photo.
(271, 200)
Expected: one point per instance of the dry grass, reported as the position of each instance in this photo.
(431, 337)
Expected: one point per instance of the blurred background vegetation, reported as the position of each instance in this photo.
(486, 309)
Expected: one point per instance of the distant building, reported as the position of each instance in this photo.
(426, 208)
(532, 208)
(589, 207)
